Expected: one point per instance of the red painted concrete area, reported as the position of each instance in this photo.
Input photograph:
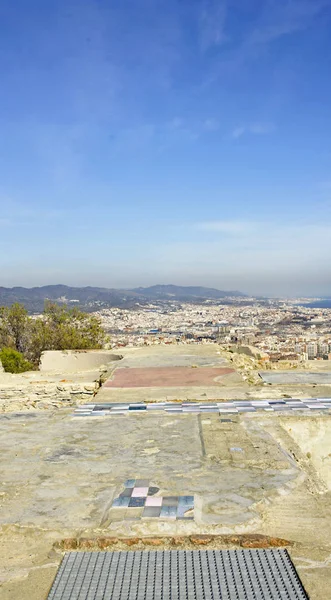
(167, 377)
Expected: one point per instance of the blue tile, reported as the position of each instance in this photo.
(122, 501)
(168, 512)
(136, 502)
(130, 483)
(182, 510)
(186, 500)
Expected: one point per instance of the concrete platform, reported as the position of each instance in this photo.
(248, 480)
(172, 372)
(248, 475)
(168, 377)
(296, 377)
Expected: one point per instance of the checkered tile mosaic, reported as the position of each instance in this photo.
(139, 494)
(235, 406)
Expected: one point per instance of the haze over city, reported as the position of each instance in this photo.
(166, 142)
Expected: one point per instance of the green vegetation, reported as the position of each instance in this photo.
(24, 338)
(14, 362)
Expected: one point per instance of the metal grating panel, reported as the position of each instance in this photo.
(178, 575)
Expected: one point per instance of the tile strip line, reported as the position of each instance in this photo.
(235, 406)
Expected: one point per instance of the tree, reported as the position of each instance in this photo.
(59, 328)
(72, 329)
(14, 362)
(14, 327)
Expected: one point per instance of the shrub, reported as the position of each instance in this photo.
(59, 328)
(14, 362)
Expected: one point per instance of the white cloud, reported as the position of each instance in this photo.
(284, 18)
(269, 21)
(238, 132)
(212, 23)
(257, 128)
(261, 128)
(164, 135)
(211, 125)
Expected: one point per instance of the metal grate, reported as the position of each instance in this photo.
(178, 575)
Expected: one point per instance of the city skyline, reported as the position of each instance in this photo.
(166, 142)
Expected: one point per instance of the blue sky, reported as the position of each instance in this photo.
(166, 141)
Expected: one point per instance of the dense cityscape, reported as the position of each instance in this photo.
(280, 330)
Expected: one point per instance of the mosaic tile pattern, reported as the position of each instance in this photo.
(139, 494)
(235, 406)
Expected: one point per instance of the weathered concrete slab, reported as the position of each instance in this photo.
(168, 377)
(77, 467)
(228, 390)
(176, 372)
(295, 377)
(207, 355)
(70, 361)
(61, 475)
(264, 475)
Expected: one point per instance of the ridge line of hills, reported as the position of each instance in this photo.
(94, 298)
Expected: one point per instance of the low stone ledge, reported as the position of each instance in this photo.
(44, 396)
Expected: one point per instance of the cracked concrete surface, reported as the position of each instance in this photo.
(258, 473)
(61, 474)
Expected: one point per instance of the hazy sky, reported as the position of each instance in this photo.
(166, 141)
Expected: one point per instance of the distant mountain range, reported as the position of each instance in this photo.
(94, 298)
(178, 292)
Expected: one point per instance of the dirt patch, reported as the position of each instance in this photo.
(313, 437)
(185, 542)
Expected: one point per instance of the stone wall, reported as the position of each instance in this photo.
(45, 395)
(65, 379)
